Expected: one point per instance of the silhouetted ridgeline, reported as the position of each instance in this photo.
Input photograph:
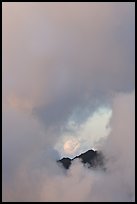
(91, 158)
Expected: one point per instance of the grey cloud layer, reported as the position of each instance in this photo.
(61, 56)
(38, 178)
(63, 60)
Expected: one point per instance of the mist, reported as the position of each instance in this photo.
(61, 63)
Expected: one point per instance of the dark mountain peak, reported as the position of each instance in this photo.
(87, 156)
(91, 157)
(66, 162)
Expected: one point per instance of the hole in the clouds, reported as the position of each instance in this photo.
(87, 135)
(71, 146)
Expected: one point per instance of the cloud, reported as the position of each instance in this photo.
(118, 182)
(77, 138)
(38, 177)
(63, 61)
(67, 56)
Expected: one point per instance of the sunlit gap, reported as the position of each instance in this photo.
(85, 136)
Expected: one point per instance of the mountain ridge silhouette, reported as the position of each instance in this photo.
(90, 158)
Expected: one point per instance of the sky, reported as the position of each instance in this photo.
(68, 85)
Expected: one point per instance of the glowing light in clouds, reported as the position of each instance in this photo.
(85, 136)
(71, 146)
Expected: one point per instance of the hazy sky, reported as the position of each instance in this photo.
(68, 85)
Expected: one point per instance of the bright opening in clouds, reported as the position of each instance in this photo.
(68, 86)
(79, 138)
(70, 146)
